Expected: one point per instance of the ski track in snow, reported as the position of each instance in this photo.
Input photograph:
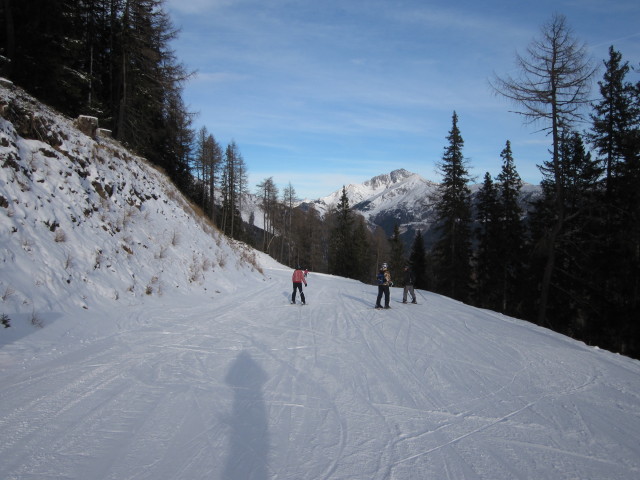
(246, 386)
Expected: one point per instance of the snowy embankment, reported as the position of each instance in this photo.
(85, 224)
(169, 353)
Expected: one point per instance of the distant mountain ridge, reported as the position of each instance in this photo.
(404, 198)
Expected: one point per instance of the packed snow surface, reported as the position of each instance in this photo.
(246, 386)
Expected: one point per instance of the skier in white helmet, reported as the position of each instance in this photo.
(384, 282)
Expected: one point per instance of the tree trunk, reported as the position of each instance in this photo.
(10, 35)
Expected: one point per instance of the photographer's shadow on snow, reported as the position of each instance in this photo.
(249, 435)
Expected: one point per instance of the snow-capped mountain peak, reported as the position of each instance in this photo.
(400, 196)
(373, 187)
(389, 179)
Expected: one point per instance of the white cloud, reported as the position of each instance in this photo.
(218, 77)
(197, 6)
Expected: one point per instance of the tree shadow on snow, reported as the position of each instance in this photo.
(249, 437)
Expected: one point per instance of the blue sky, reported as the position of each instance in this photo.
(323, 93)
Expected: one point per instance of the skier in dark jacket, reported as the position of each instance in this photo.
(384, 282)
(298, 279)
(408, 280)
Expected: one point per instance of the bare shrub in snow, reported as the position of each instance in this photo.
(162, 253)
(27, 244)
(247, 255)
(68, 261)
(8, 293)
(127, 216)
(60, 236)
(206, 265)
(98, 260)
(152, 284)
(175, 238)
(222, 260)
(195, 269)
(36, 321)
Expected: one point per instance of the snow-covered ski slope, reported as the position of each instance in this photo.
(246, 386)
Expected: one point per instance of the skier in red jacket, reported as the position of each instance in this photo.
(298, 279)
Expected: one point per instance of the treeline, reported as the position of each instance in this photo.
(107, 58)
(571, 262)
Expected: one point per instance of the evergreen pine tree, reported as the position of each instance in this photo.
(418, 261)
(488, 258)
(44, 48)
(381, 250)
(616, 138)
(452, 251)
(175, 147)
(309, 239)
(341, 257)
(398, 260)
(614, 117)
(361, 251)
(569, 305)
(512, 235)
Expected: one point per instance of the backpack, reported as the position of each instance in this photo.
(380, 278)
